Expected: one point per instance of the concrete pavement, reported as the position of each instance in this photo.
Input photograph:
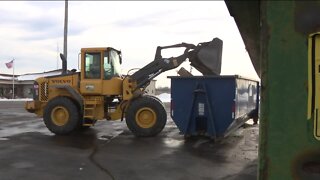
(109, 151)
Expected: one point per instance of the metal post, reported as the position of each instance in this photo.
(13, 79)
(65, 41)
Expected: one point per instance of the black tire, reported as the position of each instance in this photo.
(150, 106)
(69, 109)
(81, 128)
(154, 97)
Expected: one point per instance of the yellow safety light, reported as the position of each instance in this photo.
(314, 82)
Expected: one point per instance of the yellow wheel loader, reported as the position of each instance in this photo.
(76, 100)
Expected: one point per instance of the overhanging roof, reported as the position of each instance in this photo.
(247, 17)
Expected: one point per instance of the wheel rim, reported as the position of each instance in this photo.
(59, 116)
(146, 117)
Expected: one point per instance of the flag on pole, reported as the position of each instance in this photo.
(9, 64)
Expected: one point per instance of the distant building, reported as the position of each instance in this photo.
(23, 84)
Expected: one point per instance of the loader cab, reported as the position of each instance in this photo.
(100, 71)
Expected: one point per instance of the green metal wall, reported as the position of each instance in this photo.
(287, 148)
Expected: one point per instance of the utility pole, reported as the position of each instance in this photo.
(13, 78)
(65, 37)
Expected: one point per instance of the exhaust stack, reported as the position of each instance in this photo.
(64, 64)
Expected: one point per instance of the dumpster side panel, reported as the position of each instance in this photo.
(220, 92)
(181, 102)
(247, 92)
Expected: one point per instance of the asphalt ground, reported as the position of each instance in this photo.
(28, 150)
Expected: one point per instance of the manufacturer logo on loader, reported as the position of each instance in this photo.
(60, 81)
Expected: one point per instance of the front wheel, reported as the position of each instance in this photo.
(61, 116)
(146, 116)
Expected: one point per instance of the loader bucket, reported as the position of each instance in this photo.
(207, 57)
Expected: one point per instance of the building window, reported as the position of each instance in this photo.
(30, 90)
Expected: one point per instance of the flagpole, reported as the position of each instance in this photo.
(13, 79)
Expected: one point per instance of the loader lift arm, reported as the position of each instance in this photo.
(205, 57)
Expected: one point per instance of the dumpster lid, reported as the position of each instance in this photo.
(214, 77)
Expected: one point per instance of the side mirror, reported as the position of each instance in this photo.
(120, 56)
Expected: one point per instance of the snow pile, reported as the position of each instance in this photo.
(164, 97)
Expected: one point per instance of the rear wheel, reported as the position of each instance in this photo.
(146, 116)
(61, 116)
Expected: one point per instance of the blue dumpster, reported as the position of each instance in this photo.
(213, 106)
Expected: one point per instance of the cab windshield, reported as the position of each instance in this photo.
(112, 66)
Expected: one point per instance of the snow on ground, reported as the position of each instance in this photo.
(164, 97)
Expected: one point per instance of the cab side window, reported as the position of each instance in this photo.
(107, 67)
(92, 65)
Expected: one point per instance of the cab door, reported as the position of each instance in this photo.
(112, 81)
(91, 72)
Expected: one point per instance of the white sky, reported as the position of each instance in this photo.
(30, 32)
